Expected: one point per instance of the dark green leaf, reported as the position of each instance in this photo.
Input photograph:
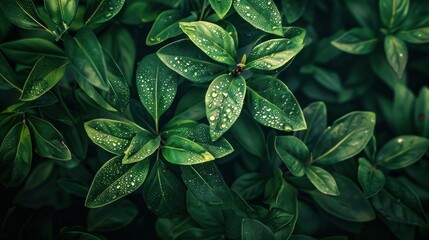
(296, 34)
(249, 134)
(186, 59)
(315, 115)
(43, 101)
(99, 11)
(39, 175)
(115, 180)
(322, 180)
(206, 183)
(74, 233)
(75, 187)
(416, 35)
(221, 7)
(182, 151)
(141, 146)
(402, 112)
(224, 102)
(203, 214)
(22, 13)
(402, 151)
(263, 15)
(293, 9)
(346, 138)
(272, 104)
(329, 79)
(421, 112)
(49, 141)
(249, 185)
(294, 154)
(111, 217)
(371, 179)
(15, 155)
(396, 53)
(198, 233)
(7, 74)
(212, 40)
(62, 12)
(358, 41)
(393, 12)
(255, 230)
(95, 94)
(276, 219)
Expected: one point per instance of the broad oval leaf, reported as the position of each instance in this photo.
(112, 217)
(99, 11)
(322, 180)
(402, 151)
(273, 54)
(156, 85)
(46, 73)
(358, 41)
(212, 40)
(396, 53)
(111, 135)
(15, 155)
(315, 116)
(62, 12)
(252, 229)
(393, 12)
(372, 180)
(351, 205)
(294, 154)
(206, 183)
(421, 112)
(224, 102)
(87, 58)
(22, 13)
(293, 9)
(272, 104)
(49, 141)
(115, 180)
(263, 15)
(418, 35)
(345, 138)
(249, 185)
(182, 151)
(164, 193)
(141, 146)
(221, 7)
(204, 214)
(186, 59)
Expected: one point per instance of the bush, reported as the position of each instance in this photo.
(214, 119)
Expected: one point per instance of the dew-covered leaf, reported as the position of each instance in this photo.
(263, 15)
(322, 180)
(115, 180)
(396, 53)
(296, 34)
(141, 146)
(99, 11)
(111, 135)
(293, 9)
(272, 104)
(206, 183)
(189, 61)
(356, 41)
(294, 154)
(371, 179)
(15, 155)
(393, 12)
(182, 151)
(212, 40)
(224, 102)
(254, 230)
(46, 73)
(315, 115)
(416, 35)
(48, 140)
(249, 185)
(22, 13)
(221, 7)
(402, 151)
(421, 112)
(273, 54)
(345, 138)
(156, 85)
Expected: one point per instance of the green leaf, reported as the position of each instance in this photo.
(396, 54)
(249, 185)
(166, 26)
(371, 179)
(358, 41)
(62, 12)
(212, 40)
(182, 151)
(75, 187)
(315, 116)
(186, 59)
(254, 230)
(206, 183)
(46, 73)
(111, 217)
(224, 101)
(403, 107)
(7, 74)
(393, 12)
(15, 155)
(22, 13)
(164, 193)
(141, 147)
(399, 203)
(71, 233)
(29, 50)
(296, 34)
(421, 112)
(199, 233)
(49, 141)
(294, 154)
(351, 205)
(111, 135)
(87, 58)
(115, 180)
(99, 11)
(328, 79)
(322, 180)
(273, 54)
(276, 219)
(202, 213)
(95, 94)
(43, 101)
(263, 15)
(156, 85)
(402, 151)
(419, 35)
(345, 138)
(221, 7)
(293, 9)
(272, 104)
(249, 134)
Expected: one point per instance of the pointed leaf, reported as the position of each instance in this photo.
(221, 7)
(99, 11)
(393, 12)
(62, 12)
(294, 154)
(182, 151)
(272, 104)
(316, 119)
(322, 180)
(224, 101)
(7, 74)
(418, 35)
(293, 9)
(372, 180)
(249, 134)
(296, 34)
(396, 54)
(254, 230)
(249, 185)
(112, 217)
(212, 40)
(141, 146)
(115, 180)
(204, 214)
(421, 112)
(358, 41)
(22, 13)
